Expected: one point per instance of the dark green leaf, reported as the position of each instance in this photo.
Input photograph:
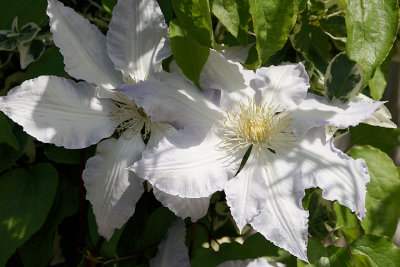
(312, 42)
(262, 246)
(51, 63)
(319, 256)
(194, 18)
(7, 154)
(6, 134)
(167, 10)
(62, 155)
(26, 10)
(386, 139)
(28, 32)
(234, 15)
(108, 5)
(343, 78)
(7, 42)
(334, 27)
(383, 191)
(371, 31)
(157, 226)
(380, 250)
(38, 250)
(192, 60)
(321, 214)
(272, 22)
(25, 200)
(109, 248)
(30, 52)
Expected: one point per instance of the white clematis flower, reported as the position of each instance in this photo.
(260, 262)
(76, 115)
(269, 112)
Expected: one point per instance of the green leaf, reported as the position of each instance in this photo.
(194, 18)
(192, 60)
(234, 15)
(7, 43)
(6, 134)
(343, 78)
(380, 250)
(227, 251)
(27, 33)
(321, 214)
(377, 84)
(312, 42)
(167, 10)
(30, 52)
(361, 260)
(109, 247)
(386, 139)
(62, 155)
(26, 10)
(25, 200)
(38, 250)
(108, 5)
(383, 191)
(9, 155)
(334, 27)
(157, 226)
(371, 31)
(319, 256)
(272, 22)
(347, 222)
(51, 63)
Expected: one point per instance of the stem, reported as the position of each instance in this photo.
(211, 223)
(81, 201)
(94, 253)
(192, 236)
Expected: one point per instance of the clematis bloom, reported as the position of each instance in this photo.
(268, 114)
(76, 115)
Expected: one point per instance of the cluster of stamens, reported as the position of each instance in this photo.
(130, 117)
(258, 124)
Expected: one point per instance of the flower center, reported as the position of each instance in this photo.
(129, 116)
(258, 124)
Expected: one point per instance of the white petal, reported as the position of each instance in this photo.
(381, 117)
(284, 85)
(230, 77)
(246, 192)
(283, 220)
(59, 111)
(260, 262)
(340, 177)
(136, 37)
(174, 100)
(111, 188)
(188, 164)
(158, 132)
(236, 53)
(316, 111)
(195, 208)
(172, 250)
(83, 47)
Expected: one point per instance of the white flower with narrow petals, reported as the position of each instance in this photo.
(76, 115)
(269, 112)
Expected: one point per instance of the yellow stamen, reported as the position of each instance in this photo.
(258, 124)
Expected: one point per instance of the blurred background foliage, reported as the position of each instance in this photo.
(44, 218)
